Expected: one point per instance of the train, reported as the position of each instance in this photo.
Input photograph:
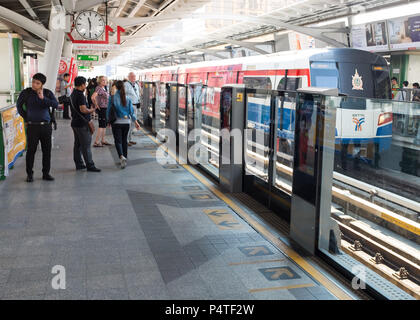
(363, 126)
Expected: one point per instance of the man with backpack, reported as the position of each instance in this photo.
(34, 106)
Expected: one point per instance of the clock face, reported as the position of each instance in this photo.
(90, 25)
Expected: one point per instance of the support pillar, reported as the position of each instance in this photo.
(54, 47)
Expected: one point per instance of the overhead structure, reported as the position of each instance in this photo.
(293, 15)
(144, 20)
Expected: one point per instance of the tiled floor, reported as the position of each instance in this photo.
(146, 232)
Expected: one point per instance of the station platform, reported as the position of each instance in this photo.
(146, 232)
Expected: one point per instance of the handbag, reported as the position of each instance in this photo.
(112, 117)
(90, 124)
(62, 99)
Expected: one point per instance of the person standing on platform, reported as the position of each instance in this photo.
(65, 92)
(81, 125)
(34, 106)
(100, 101)
(394, 87)
(124, 114)
(132, 90)
(416, 92)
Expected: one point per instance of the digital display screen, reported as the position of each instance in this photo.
(307, 136)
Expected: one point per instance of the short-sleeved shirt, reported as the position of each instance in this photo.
(78, 99)
(102, 97)
(63, 90)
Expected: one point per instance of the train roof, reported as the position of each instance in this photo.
(289, 60)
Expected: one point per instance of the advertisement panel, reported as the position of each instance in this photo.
(14, 138)
(404, 33)
(370, 37)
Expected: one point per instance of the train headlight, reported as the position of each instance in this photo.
(385, 118)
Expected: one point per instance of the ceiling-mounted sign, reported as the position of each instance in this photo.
(83, 67)
(404, 33)
(95, 47)
(85, 57)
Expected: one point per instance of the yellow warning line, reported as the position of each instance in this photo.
(318, 276)
(255, 262)
(283, 288)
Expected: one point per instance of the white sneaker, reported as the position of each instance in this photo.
(123, 162)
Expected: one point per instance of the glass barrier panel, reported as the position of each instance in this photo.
(207, 125)
(163, 104)
(257, 135)
(284, 141)
(182, 114)
(375, 193)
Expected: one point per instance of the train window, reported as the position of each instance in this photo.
(293, 83)
(258, 83)
(282, 84)
(324, 74)
(382, 82)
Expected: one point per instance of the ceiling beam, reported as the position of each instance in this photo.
(316, 32)
(139, 4)
(24, 23)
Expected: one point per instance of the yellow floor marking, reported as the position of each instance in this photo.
(255, 262)
(283, 288)
(292, 254)
(223, 219)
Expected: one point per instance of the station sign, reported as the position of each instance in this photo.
(83, 67)
(95, 47)
(85, 57)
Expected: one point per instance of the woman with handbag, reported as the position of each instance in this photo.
(120, 113)
(100, 100)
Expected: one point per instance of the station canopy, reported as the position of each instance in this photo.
(164, 32)
(190, 29)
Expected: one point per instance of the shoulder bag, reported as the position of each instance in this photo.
(112, 113)
(90, 124)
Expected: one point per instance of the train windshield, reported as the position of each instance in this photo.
(324, 74)
(382, 82)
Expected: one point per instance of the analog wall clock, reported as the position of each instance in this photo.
(90, 25)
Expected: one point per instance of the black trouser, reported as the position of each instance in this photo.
(36, 133)
(82, 141)
(120, 132)
(66, 106)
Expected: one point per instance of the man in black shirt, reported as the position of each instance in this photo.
(80, 114)
(34, 106)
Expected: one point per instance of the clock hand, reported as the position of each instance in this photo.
(90, 28)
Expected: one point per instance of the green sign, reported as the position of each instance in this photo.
(85, 57)
(83, 67)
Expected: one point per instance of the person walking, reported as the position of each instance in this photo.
(34, 106)
(122, 108)
(82, 127)
(132, 90)
(64, 97)
(100, 101)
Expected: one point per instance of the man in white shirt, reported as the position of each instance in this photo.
(132, 91)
